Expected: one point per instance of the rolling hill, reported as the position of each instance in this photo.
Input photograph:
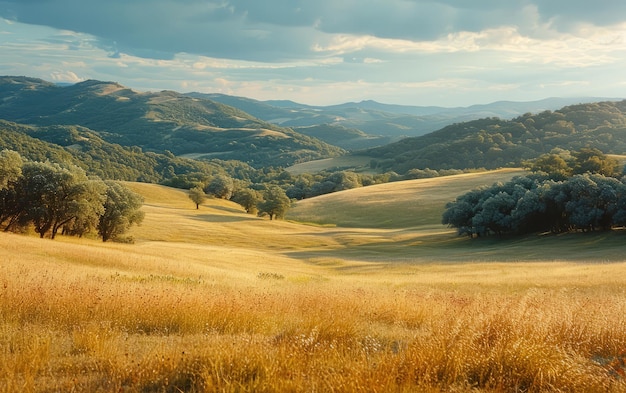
(384, 223)
(397, 205)
(157, 121)
(494, 142)
(85, 148)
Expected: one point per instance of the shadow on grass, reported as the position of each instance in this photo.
(227, 209)
(449, 248)
(222, 218)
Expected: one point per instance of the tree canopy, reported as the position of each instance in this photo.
(50, 197)
(275, 202)
(121, 210)
(568, 191)
(492, 142)
(197, 195)
(530, 204)
(221, 186)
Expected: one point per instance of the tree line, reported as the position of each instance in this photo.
(580, 191)
(271, 200)
(52, 198)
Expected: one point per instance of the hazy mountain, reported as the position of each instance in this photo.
(383, 123)
(346, 138)
(158, 121)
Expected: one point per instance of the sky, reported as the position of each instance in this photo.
(322, 52)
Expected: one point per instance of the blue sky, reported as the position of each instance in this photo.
(413, 52)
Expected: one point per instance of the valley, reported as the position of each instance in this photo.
(358, 287)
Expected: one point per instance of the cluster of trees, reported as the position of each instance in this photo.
(563, 195)
(561, 164)
(270, 191)
(271, 200)
(50, 197)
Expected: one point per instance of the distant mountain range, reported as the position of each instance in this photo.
(381, 123)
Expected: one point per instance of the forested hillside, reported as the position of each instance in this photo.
(84, 148)
(159, 122)
(493, 142)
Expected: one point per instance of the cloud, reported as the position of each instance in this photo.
(568, 15)
(162, 28)
(65, 76)
(324, 51)
(284, 30)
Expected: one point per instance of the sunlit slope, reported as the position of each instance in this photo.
(178, 243)
(172, 217)
(222, 235)
(218, 300)
(220, 240)
(405, 204)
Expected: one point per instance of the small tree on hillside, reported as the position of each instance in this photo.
(552, 164)
(221, 186)
(591, 160)
(197, 195)
(121, 210)
(247, 198)
(275, 203)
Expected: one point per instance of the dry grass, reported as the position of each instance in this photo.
(403, 204)
(216, 300)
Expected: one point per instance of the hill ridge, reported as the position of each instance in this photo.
(156, 121)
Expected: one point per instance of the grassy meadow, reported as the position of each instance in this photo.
(372, 294)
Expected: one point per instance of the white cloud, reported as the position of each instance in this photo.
(65, 76)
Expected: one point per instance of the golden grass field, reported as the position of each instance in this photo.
(220, 301)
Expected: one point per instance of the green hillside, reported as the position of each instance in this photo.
(82, 147)
(157, 121)
(493, 142)
(382, 123)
